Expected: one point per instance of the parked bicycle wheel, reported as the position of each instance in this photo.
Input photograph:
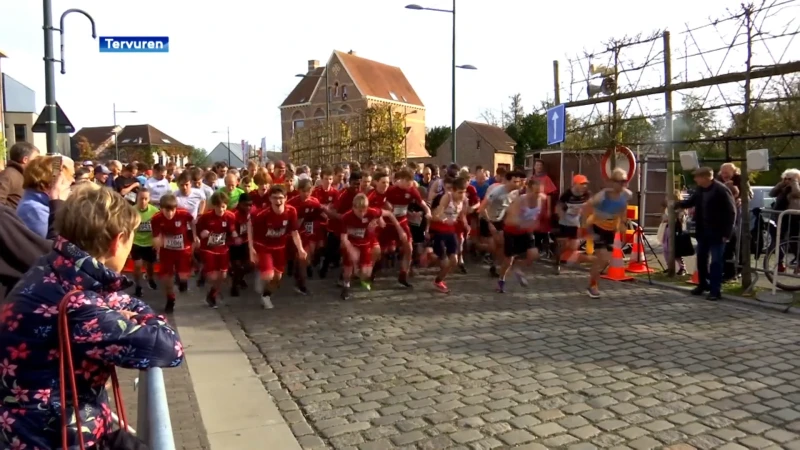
(789, 279)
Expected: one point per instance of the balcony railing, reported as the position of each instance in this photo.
(154, 426)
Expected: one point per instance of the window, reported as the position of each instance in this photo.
(336, 89)
(404, 99)
(127, 141)
(478, 144)
(166, 141)
(505, 166)
(20, 133)
(393, 95)
(297, 124)
(344, 92)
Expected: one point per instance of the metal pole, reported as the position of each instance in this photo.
(116, 135)
(453, 112)
(744, 185)
(143, 406)
(668, 130)
(49, 79)
(229, 145)
(327, 108)
(161, 437)
(614, 119)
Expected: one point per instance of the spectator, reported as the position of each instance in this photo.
(116, 168)
(39, 176)
(158, 184)
(11, 179)
(714, 215)
(101, 175)
(108, 328)
(680, 227)
(221, 169)
(787, 196)
(28, 246)
(83, 175)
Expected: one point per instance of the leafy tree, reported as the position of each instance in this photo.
(530, 133)
(515, 111)
(85, 150)
(197, 156)
(435, 137)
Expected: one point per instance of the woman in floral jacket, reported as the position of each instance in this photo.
(108, 327)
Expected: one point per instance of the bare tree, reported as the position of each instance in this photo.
(489, 116)
(515, 111)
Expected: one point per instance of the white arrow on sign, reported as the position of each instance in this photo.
(555, 125)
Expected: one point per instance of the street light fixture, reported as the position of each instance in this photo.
(116, 134)
(228, 132)
(454, 67)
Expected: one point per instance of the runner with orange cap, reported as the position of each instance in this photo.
(569, 210)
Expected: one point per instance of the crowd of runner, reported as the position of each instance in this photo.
(223, 223)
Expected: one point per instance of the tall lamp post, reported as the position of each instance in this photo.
(116, 134)
(228, 132)
(454, 67)
(51, 118)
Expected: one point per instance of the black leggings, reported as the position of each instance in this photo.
(332, 250)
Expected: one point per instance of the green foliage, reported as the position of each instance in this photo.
(2, 146)
(435, 137)
(197, 156)
(530, 133)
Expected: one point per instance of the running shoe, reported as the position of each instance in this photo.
(521, 279)
(152, 284)
(593, 292)
(266, 302)
(302, 290)
(211, 301)
(366, 285)
(441, 287)
(138, 292)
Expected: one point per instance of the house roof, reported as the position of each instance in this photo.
(146, 135)
(3, 55)
(494, 136)
(222, 153)
(96, 136)
(305, 88)
(371, 78)
(379, 80)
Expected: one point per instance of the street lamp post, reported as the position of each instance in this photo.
(51, 119)
(453, 72)
(228, 132)
(116, 134)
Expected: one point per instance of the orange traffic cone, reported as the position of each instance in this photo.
(695, 278)
(638, 261)
(616, 270)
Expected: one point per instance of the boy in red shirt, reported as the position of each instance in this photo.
(343, 204)
(267, 238)
(449, 209)
(309, 214)
(326, 193)
(173, 239)
(215, 228)
(239, 250)
(360, 247)
(260, 196)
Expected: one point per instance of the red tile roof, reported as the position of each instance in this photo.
(379, 80)
(305, 88)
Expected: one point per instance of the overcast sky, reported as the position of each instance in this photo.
(232, 63)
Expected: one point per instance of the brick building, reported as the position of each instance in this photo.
(353, 84)
(477, 144)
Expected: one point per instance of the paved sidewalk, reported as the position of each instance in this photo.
(216, 401)
(543, 367)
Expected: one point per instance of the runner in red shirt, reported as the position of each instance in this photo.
(239, 250)
(215, 228)
(267, 236)
(326, 193)
(260, 196)
(377, 197)
(473, 201)
(309, 214)
(398, 197)
(343, 204)
(173, 239)
(449, 209)
(360, 247)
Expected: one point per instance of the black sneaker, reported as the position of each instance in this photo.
(699, 290)
(234, 291)
(681, 273)
(152, 284)
(201, 282)
(493, 272)
(404, 282)
(242, 283)
(714, 297)
(462, 268)
(345, 293)
(310, 272)
(183, 286)
(138, 292)
(170, 308)
(211, 301)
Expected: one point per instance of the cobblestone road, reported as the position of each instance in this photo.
(543, 367)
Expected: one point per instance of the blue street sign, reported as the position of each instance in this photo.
(556, 124)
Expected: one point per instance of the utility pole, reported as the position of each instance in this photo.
(453, 93)
(670, 150)
(744, 186)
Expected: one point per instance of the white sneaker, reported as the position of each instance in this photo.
(266, 302)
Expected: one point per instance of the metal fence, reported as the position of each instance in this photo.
(154, 425)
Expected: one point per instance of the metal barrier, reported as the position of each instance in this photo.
(153, 421)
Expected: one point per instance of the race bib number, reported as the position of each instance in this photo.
(400, 211)
(131, 197)
(145, 227)
(216, 239)
(174, 243)
(358, 233)
(309, 227)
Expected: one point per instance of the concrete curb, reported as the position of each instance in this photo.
(733, 298)
(237, 411)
